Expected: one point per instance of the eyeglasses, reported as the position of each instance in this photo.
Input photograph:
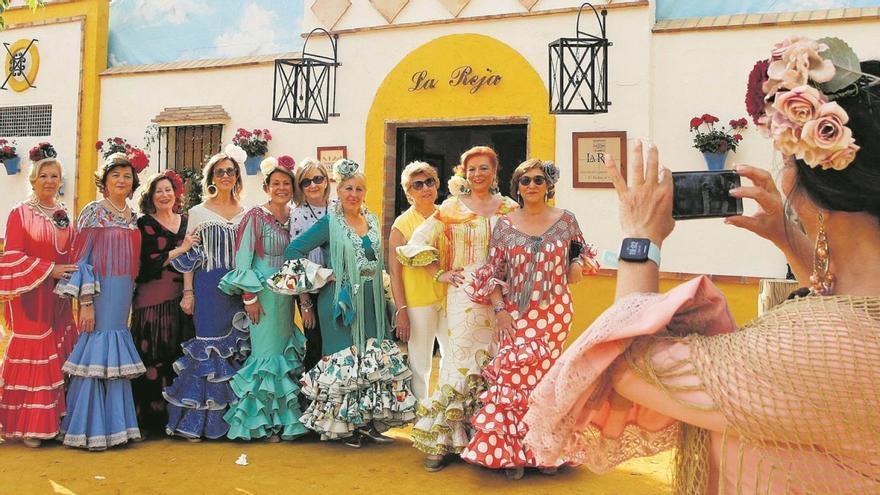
(540, 180)
(419, 184)
(318, 179)
(220, 172)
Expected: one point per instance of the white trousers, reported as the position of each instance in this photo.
(426, 324)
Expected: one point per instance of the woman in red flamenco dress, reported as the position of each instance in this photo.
(39, 235)
(535, 253)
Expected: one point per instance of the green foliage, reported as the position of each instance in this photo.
(715, 141)
(192, 182)
(845, 60)
(4, 4)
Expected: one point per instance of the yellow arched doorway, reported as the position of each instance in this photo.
(461, 79)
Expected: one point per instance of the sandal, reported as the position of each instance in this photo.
(353, 441)
(373, 434)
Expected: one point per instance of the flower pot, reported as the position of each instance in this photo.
(252, 164)
(715, 161)
(13, 165)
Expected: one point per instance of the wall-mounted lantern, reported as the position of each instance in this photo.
(579, 70)
(304, 91)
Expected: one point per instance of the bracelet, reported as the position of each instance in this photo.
(498, 308)
(399, 310)
(439, 273)
(187, 290)
(306, 306)
(248, 302)
(86, 304)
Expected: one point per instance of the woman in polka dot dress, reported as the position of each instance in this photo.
(535, 253)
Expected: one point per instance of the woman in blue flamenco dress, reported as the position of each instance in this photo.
(267, 385)
(100, 406)
(201, 394)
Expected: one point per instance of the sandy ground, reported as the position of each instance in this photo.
(170, 466)
(166, 466)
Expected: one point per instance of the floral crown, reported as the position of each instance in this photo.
(344, 169)
(283, 163)
(791, 95)
(42, 151)
(176, 182)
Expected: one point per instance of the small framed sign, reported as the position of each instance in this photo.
(589, 151)
(328, 155)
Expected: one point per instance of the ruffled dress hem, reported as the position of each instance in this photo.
(349, 390)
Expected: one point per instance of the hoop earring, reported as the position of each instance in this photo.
(822, 280)
(494, 189)
(211, 190)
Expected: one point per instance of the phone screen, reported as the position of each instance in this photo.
(705, 194)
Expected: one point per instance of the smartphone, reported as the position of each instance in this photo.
(575, 249)
(705, 194)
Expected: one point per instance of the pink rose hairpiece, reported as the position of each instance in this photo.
(790, 97)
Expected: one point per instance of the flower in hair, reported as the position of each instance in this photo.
(789, 96)
(236, 153)
(176, 181)
(458, 185)
(42, 151)
(344, 169)
(119, 146)
(551, 172)
(268, 164)
(287, 162)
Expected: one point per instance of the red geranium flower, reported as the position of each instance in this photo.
(99, 145)
(709, 119)
(755, 97)
(738, 137)
(696, 122)
(139, 160)
(118, 140)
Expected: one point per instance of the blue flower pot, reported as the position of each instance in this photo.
(252, 164)
(715, 161)
(13, 165)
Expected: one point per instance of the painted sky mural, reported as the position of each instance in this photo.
(680, 9)
(157, 31)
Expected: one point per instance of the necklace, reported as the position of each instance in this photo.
(50, 214)
(315, 215)
(119, 210)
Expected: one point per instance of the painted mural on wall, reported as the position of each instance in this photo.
(680, 9)
(158, 31)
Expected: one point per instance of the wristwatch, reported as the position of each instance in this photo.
(638, 250)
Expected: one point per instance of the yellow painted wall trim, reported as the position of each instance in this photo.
(520, 94)
(95, 16)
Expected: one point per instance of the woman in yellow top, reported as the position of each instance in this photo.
(452, 244)
(421, 315)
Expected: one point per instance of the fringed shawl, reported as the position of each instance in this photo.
(352, 269)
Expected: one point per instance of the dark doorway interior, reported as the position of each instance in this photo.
(442, 147)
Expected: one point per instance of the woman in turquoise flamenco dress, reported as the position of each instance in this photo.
(361, 385)
(267, 385)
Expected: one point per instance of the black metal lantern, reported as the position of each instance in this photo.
(579, 70)
(305, 88)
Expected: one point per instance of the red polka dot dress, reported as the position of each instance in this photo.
(532, 272)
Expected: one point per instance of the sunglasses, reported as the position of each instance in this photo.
(540, 180)
(220, 172)
(419, 184)
(318, 179)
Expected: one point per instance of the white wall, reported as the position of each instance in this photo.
(58, 84)
(658, 81)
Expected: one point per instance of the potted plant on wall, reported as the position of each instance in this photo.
(256, 144)
(9, 157)
(715, 143)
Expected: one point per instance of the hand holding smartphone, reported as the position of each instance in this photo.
(705, 194)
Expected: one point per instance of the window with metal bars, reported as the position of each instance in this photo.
(189, 146)
(26, 121)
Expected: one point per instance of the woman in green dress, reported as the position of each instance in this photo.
(267, 385)
(361, 385)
